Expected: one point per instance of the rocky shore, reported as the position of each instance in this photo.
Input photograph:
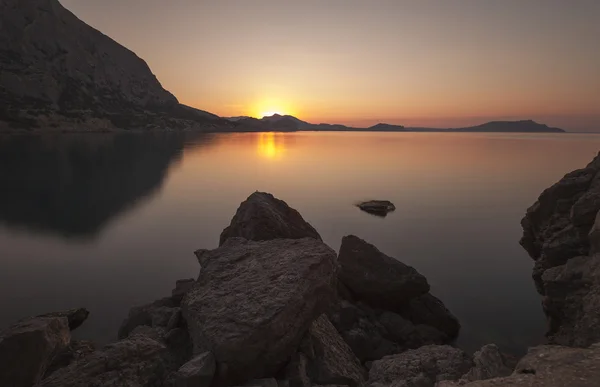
(274, 306)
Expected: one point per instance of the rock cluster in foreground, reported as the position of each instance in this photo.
(273, 306)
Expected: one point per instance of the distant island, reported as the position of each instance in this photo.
(63, 75)
(287, 123)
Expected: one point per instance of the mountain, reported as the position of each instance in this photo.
(525, 126)
(58, 72)
(288, 123)
(387, 128)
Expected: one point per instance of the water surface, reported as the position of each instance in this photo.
(109, 221)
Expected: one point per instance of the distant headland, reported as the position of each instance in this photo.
(285, 123)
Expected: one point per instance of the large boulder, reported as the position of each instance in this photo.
(138, 361)
(264, 217)
(556, 226)
(198, 372)
(489, 363)
(375, 278)
(373, 334)
(332, 361)
(549, 366)
(254, 301)
(421, 367)
(29, 347)
(155, 314)
(430, 310)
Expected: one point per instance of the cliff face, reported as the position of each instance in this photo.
(561, 233)
(56, 71)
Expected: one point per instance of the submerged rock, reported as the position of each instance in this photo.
(377, 207)
(431, 311)
(264, 217)
(254, 301)
(28, 348)
(375, 278)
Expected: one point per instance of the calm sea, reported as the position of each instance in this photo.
(111, 221)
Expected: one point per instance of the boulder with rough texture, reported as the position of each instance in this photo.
(431, 311)
(377, 207)
(134, 362)
(572, 302)
(375, 278)
(254, 301)
(76, 350)
(332, 362)
(421, 367)
(373, 334)
(556, 226)
(197, 372)
(182, 286)
(549, 366)
(263, 217)
(28, 348)
(488, 363)
(155, 314)
(76, 316)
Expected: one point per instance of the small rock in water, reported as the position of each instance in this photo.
(377, 207)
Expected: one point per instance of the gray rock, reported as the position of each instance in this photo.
(259, 296)
(556, 227)
(420, 367)
(333, 361)
(296, 372)
(594, 236)
(76, 317)
(197, 372)
(182, 286)
(65, 74)
(75, 351)
(268, 382)
(375, 278)
(155, 314)
(429, 310)
(572, 302)
(133, 362)
(550, 366)
(28, 348)
(176, 320)
(377, 207)
(264, 217)
(488, 363)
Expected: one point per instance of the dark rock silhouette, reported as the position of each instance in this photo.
(58, 72)
(377, 207)
(263, 217)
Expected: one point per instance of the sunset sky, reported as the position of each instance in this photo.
(443, 63)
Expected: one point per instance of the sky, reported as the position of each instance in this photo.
(437, 63)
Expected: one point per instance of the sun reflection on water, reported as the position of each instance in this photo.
(271, 145)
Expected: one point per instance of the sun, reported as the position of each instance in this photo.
(266, 107)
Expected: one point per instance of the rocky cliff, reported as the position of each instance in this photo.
(58, 72)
